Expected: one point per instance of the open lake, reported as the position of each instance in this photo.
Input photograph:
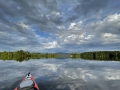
(62, 74)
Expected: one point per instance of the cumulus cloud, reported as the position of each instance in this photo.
(73, 24)
(100, 33)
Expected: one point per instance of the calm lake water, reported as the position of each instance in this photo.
(62, 74)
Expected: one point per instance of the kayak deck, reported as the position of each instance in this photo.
(28, 83)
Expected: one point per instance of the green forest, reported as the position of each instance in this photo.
(98, 55)
(21, 55)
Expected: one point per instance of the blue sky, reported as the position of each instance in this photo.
(59, 25)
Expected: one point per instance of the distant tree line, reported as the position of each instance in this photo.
(98, 55)
(21, 55)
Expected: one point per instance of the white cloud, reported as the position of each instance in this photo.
(76, 26)
(113, 18)
(23, 25)
(69, 23)
(61, 27)
(89, 37)
(56, 13)
(50, 45)
(104, 32)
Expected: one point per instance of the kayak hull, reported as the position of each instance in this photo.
(29, 77)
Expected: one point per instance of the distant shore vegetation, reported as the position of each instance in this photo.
(98, 55)
(21, 55)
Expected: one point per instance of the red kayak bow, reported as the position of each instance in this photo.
(28, 83)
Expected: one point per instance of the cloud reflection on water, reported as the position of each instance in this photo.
(62, 74)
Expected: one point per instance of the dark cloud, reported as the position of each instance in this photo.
(87, 6)
(33, 12)
(97, 22)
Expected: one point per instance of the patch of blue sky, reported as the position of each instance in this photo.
(41, 33)
(90, 20)
(68, 12)
(111, 9)
(108, 11)
(67, 26)
(46, 36)
(66, 9)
